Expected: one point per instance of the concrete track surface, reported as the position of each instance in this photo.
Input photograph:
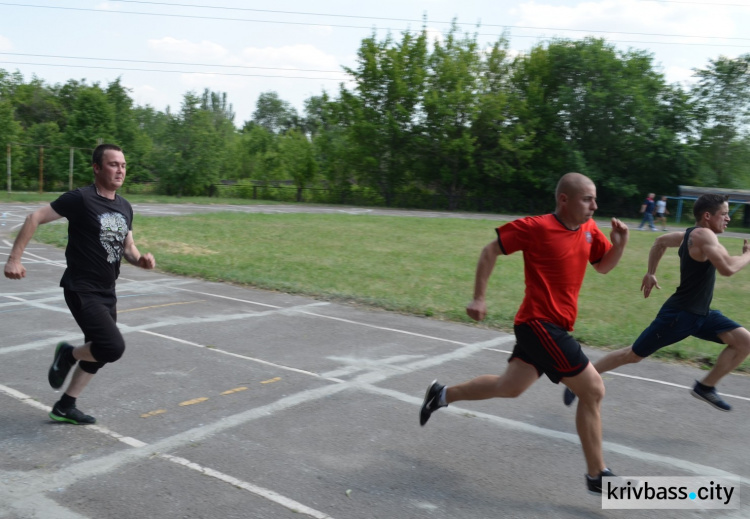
(232, 402)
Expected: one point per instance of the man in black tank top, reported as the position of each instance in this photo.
(99, 236)
(687, 312)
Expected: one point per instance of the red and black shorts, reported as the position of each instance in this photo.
(550, 349)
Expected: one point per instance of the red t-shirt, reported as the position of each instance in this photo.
(555, 261)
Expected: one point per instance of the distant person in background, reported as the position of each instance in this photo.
(647, 209)
(99, 235)
(661, 213)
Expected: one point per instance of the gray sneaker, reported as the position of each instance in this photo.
(710, 396)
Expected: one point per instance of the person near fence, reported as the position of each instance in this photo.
(647, 209)
(556, 249)
(661, 212)
(99, 235)
(687, 312)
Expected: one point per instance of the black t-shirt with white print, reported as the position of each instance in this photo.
(97, 228)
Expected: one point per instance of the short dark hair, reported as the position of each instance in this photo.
(98, 155)
(708, 203)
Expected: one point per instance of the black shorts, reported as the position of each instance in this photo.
(550, 349)
(96, 315)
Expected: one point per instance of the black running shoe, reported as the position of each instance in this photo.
(595, 484)
(568, 397)
(710, 396)
(60, 367)
(72, 415)
(431, 401)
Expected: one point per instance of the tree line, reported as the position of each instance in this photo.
(448, 118)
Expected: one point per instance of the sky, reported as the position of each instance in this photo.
(162, 50)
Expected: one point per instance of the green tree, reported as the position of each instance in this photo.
(323, 122)
(92, 119)
(274, 114)
(382, 111)
(447, 143)
(723, 95)
(136, 144)
(56, 158)
(11, 132)
(297, 159)
(36, 103)
(258, 151)
(604, 113)
(505, 133)
(196, 150)
(222, 115)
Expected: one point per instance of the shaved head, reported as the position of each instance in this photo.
(575, 199)
(572, 184)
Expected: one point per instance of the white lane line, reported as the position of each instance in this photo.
(664, 383)
(349, 321)
(265, 493)
(244, 357)
(365, 382)
(270, 495)
(652, 380)
(385, 328)
(126, 329)
(226, 297)
(505, 423)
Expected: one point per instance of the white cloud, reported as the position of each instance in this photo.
(149, 95)
(304, 56)
(630, 16)
(187, 49)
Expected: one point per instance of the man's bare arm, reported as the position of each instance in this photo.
(477, 309)
(660, 246)
(708, 244)
(14, 269)
(133, 255)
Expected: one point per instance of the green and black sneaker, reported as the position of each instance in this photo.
(72, 415)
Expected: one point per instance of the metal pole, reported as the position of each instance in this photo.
(9, 161)
(41, 168)
(70, 176)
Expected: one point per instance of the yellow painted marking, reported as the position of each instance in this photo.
(159, 306)
(271, 380)
(194, 401)
(153, 413)
(235, 390)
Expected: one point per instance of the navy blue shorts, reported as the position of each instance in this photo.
(550, 349)
(672, 325)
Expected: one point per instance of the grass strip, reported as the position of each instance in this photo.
(415, 265)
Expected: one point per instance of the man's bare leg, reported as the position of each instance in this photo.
(589, 387)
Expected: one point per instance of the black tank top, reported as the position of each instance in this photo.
(697, 280)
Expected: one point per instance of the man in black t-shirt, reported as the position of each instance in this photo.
(99, 235)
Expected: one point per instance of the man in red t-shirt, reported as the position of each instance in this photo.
(556, 249)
